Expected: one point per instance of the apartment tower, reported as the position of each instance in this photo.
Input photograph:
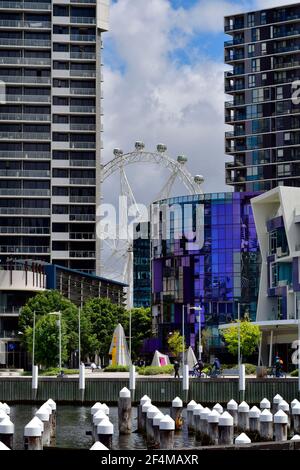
(50, 130)
(264, 52)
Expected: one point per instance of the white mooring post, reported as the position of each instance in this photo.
(281, 426)
(99, 446)
(266, 425)
(52, 405)
(43, 413)
(242, 440)
(143, 400)
(97, 419)
(243, 416)
(254, 415)
(232, 408)
(156, 422)
(3, 446)
(82, 381)
(218, 408)
(296, 417)
(35, 380)
(124, 411)
(189, 413)
(7, 430)
(33, 435)
(176, 413)
(196, 418)
(284, 406)
(276, 400)
(166, 433)
(151, 412)
(105, 431)
(226, 429)
(145, 408)
(132, 380)
(202, 435)
(213, 427)
(265, 404)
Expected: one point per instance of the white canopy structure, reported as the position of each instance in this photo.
(160, 359)
(190, 358)
(118, 349)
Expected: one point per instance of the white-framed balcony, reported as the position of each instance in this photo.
(83, 38)
(60, 73)
(11, 211)
(60, 218)
(25, 61)
(83, 55)
(39, 43)
(60, 127)
(83, 199)
(82, 20)
(60, 109)
(82, 254)
(14, 192)
(83, 109)
(60, 254)
(21, 230)
(28, 98)
(60, 236)
(61, 38)
(82, 145)
(83, 91)
(82, 126)
(83, 181)
(26, 155)
(56, 145)
(25, 5)
(60, 163)
(82, 218)
(83, 163)
(12, 79)
(25, 117)
(25, 136)
(83, 73)
(82, 236)
(24, 173)
(60, 181)
(24, 249)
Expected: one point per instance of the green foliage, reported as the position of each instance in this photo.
(141, 327)
(156, 370)
(294, 373)
(47, 340)
(116, 369)
(175, 344)
(53, 372)
(250, 336)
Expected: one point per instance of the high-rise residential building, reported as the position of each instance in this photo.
(50, 130)
(264, 52)
(142, 266)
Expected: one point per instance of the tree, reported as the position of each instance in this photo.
(141, 327)
(103, 317)
(53, 301)
(250, 336)
(175, 344)
(47, 340)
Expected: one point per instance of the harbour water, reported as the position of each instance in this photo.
(74, 421)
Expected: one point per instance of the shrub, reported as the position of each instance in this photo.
(53, 372)
(294, 373)
(156, 370)
(116, 369)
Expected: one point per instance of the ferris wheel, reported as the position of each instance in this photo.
(117, 252)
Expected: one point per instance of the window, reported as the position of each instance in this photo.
(251, 50)
(255, 65)
(264, 77)
(287, 136)
(280, 154)
(258, 95)
(255, 35)
(251, 20)
(284, 170)
(251, 81)
(279, 93)
(264, 48)
(263, 17)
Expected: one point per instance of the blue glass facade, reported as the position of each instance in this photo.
(142, 268)
(218, 275)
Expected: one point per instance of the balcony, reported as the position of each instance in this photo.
(283, 34)
(82, 236)
(82, 127)
(236, 148)
(83, 199)
(25, 61)
(83, 55)
(25, 136)
(24, 249)
(25, 230)
(25, 5)
(234, 42)
(28, 98)
(83, 109)
(234, 86)
(27, 24)
(25, 117)
(82, 145)
(25, 42)
(82, 254)
(81, 163)
(25, 173)
(9, 334)
(24, 211)
(82, 217)
(83, 73)
(285, 65)
(83, 181)
(27, 79)
(82, 20)
(24, 192)
(27, 155)
(234, 26)
(83, 38)
(83, 91)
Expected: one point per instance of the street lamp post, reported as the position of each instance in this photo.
(239, 335)
(59, 329)
(79, 337)
(183, 333)
(199, 309)
(33, 340)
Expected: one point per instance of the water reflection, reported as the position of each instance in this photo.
(74, 421)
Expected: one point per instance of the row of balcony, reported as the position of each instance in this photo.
(24, 249)
(25, 42)
(25, 5)
(25, 173)
(78, 236)
(41, 211)
(25, 117)
(25, 155)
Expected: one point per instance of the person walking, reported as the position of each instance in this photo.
(278, 366)
(176, 370)
(216, 368)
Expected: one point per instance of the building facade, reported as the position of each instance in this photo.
(277, 218)
(50, 130)
(20, 280)
(142, 266)
(264, 52)
(216, 275)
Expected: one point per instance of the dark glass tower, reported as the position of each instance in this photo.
(265, 141)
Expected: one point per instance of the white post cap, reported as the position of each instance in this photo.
(95, 407)
(98, 416)
(105, 408)
(226, 419)
(266, 416)
(191, 405)
(124, 393)
(283, 405)
(3, 415)
(277, 399)
(280, 417)
(254, 412)
(296, 409)
(213, 417)
(242, 439)
(152, 411)
(294, 402)
(218, 408)
(37, 420)
(3, 446)
(144, 399)
(243, 407)
(43, 413)
(51, 403)
(98, 446)
(157, 418)
(167, 424)
(296, 437)
(32, 429)
(232, 405)
(6, 426)
(146, 406)
(204, 413)
(105, 427)
(177, 403)
(197, 410)
(6, 408)
(265, 404)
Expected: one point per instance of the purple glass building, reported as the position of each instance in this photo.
(216, 276)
